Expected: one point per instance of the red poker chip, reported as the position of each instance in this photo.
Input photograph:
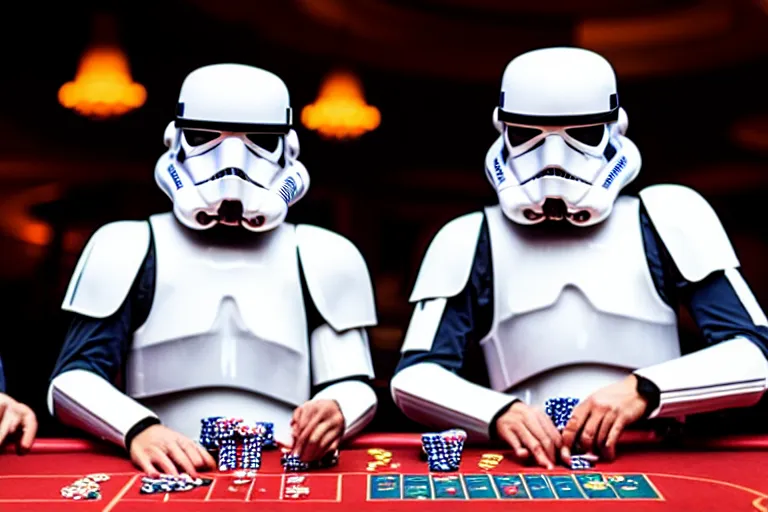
(510, 490)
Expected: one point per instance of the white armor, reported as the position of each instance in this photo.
(574, 313)
(575, 310)
(226, 334)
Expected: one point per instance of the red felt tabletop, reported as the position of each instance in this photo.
(725, 474)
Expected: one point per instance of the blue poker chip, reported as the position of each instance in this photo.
(559, 410)
(443, 450)
(580, 462)
(269, 434)
(292, 463)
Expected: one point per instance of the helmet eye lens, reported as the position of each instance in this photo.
(589, 135)
(199, 137)
(266, 141)
(518, 135)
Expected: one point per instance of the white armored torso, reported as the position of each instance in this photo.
(573, 311)
(227, 330)
(576, 310)
(226, 334)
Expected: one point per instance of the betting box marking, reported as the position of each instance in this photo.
(210, 490)
(526, 486)
(120, 494)
(634, 486)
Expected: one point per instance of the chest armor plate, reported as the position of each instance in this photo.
(223, 317)
(577, 307)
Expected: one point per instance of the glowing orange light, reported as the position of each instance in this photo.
(36, 233)
(340, 110)
(103, 86)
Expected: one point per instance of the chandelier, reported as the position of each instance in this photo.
(340, 110)
(103, 86)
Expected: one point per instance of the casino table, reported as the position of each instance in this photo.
(724, 474)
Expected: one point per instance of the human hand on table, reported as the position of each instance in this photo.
(16, 417)
(529, 431)
(159, 449)
(602, 417)
(317, 427)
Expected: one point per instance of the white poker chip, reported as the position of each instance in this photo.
(98, 477)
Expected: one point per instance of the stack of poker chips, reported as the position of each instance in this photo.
(292, 463)
(559, 409)
(222, 436)
(209, 436)
(252, 440)
(269, 433)
(444, 449)
(170, 483)
(227, 443)
(87, 488)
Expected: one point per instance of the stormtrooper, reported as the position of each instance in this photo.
(220, 308)
(571, 290)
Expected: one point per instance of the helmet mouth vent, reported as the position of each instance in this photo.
(230, 212)
(556, 172)
(554, 209)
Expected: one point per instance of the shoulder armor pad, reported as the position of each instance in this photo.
(448, 262)
(690, 230)
(107, 269)
(337, 278)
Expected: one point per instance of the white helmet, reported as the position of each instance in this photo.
(562, 153)
(232, 153)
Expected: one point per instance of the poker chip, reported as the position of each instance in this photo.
(209, 432)
(489, 461)
(292, 463)
(236, 444)
(169, 483)
(559, 409)
(596, 485)
(243, 477)
(86, 488)
(225, 429)
(444, 449)
(381, 458)
(269, 434)
(580, 462)
(252, 438)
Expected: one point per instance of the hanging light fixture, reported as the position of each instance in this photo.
(340, 111)
(103, 86)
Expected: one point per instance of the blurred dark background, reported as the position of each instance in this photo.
(691, 78)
